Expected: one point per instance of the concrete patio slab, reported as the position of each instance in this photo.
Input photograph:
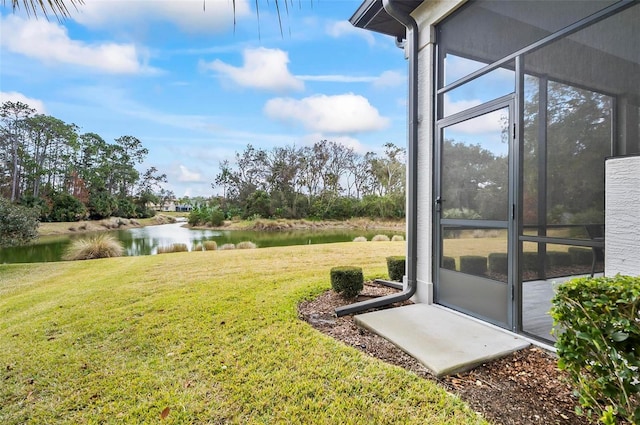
(445, 342)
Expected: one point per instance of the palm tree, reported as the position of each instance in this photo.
(60, 9)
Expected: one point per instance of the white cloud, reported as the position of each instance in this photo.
(186, 175)
(194, 16)
(348, 141)
(491, 122)
(452, 107)
(336, 78)
(345, 113)
(264, 69)
(386, 79)
(344, 28)
(457, 67)
(390, 79)
(13, 96)
(50, 42)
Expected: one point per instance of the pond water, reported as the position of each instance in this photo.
(147, 240)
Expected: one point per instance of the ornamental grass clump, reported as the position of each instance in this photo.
(210, 245)
(397, 238)
(380, 238)
(246, 245)
(227, 246)
(347, 280)
(597, 326)
(99, 246)
(360, 239)
(176, 247)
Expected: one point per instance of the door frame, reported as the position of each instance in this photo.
(508, 101)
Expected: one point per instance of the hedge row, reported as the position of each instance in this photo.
(497, 262)
(597, 326)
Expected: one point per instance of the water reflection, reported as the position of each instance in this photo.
(147, 240)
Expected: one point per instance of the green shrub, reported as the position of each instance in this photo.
(101, 204)
(598, 341)
(257, 204)
(557, 258)
(18, 225)
(498, 262)
(126, 208)
(530, 261)
(216, 217)
(473, 264)
(142, 211)
(448, 263)
(580, 256)
(100, 246)
(347, 280)
(380, 238)
(396, 267)
(65, 207)
(196, 217)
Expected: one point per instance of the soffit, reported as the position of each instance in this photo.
(372, 16)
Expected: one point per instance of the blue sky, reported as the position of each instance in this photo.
(195, 90)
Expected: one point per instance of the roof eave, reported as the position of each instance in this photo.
(372, 16)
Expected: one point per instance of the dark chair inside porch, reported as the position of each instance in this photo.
(596, 234)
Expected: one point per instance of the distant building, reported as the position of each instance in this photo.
(171, 206)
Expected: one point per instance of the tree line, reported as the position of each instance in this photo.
(46, 163)
(326, 180)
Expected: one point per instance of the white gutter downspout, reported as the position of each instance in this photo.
(412, 173)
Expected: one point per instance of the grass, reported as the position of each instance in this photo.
(213, 338)
(98, 246)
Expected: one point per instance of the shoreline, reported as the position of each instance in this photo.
(266, 225)
(275, 225)
(107, 224)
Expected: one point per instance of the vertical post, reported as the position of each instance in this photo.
(622, 221)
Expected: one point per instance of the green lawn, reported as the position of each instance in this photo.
(206, 337)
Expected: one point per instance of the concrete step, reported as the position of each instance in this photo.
(444, 341)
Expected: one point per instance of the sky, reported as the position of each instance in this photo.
(196, 89)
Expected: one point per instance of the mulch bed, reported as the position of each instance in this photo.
(523, 388)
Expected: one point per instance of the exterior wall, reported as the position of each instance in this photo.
(622, 219)
(427, 15)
